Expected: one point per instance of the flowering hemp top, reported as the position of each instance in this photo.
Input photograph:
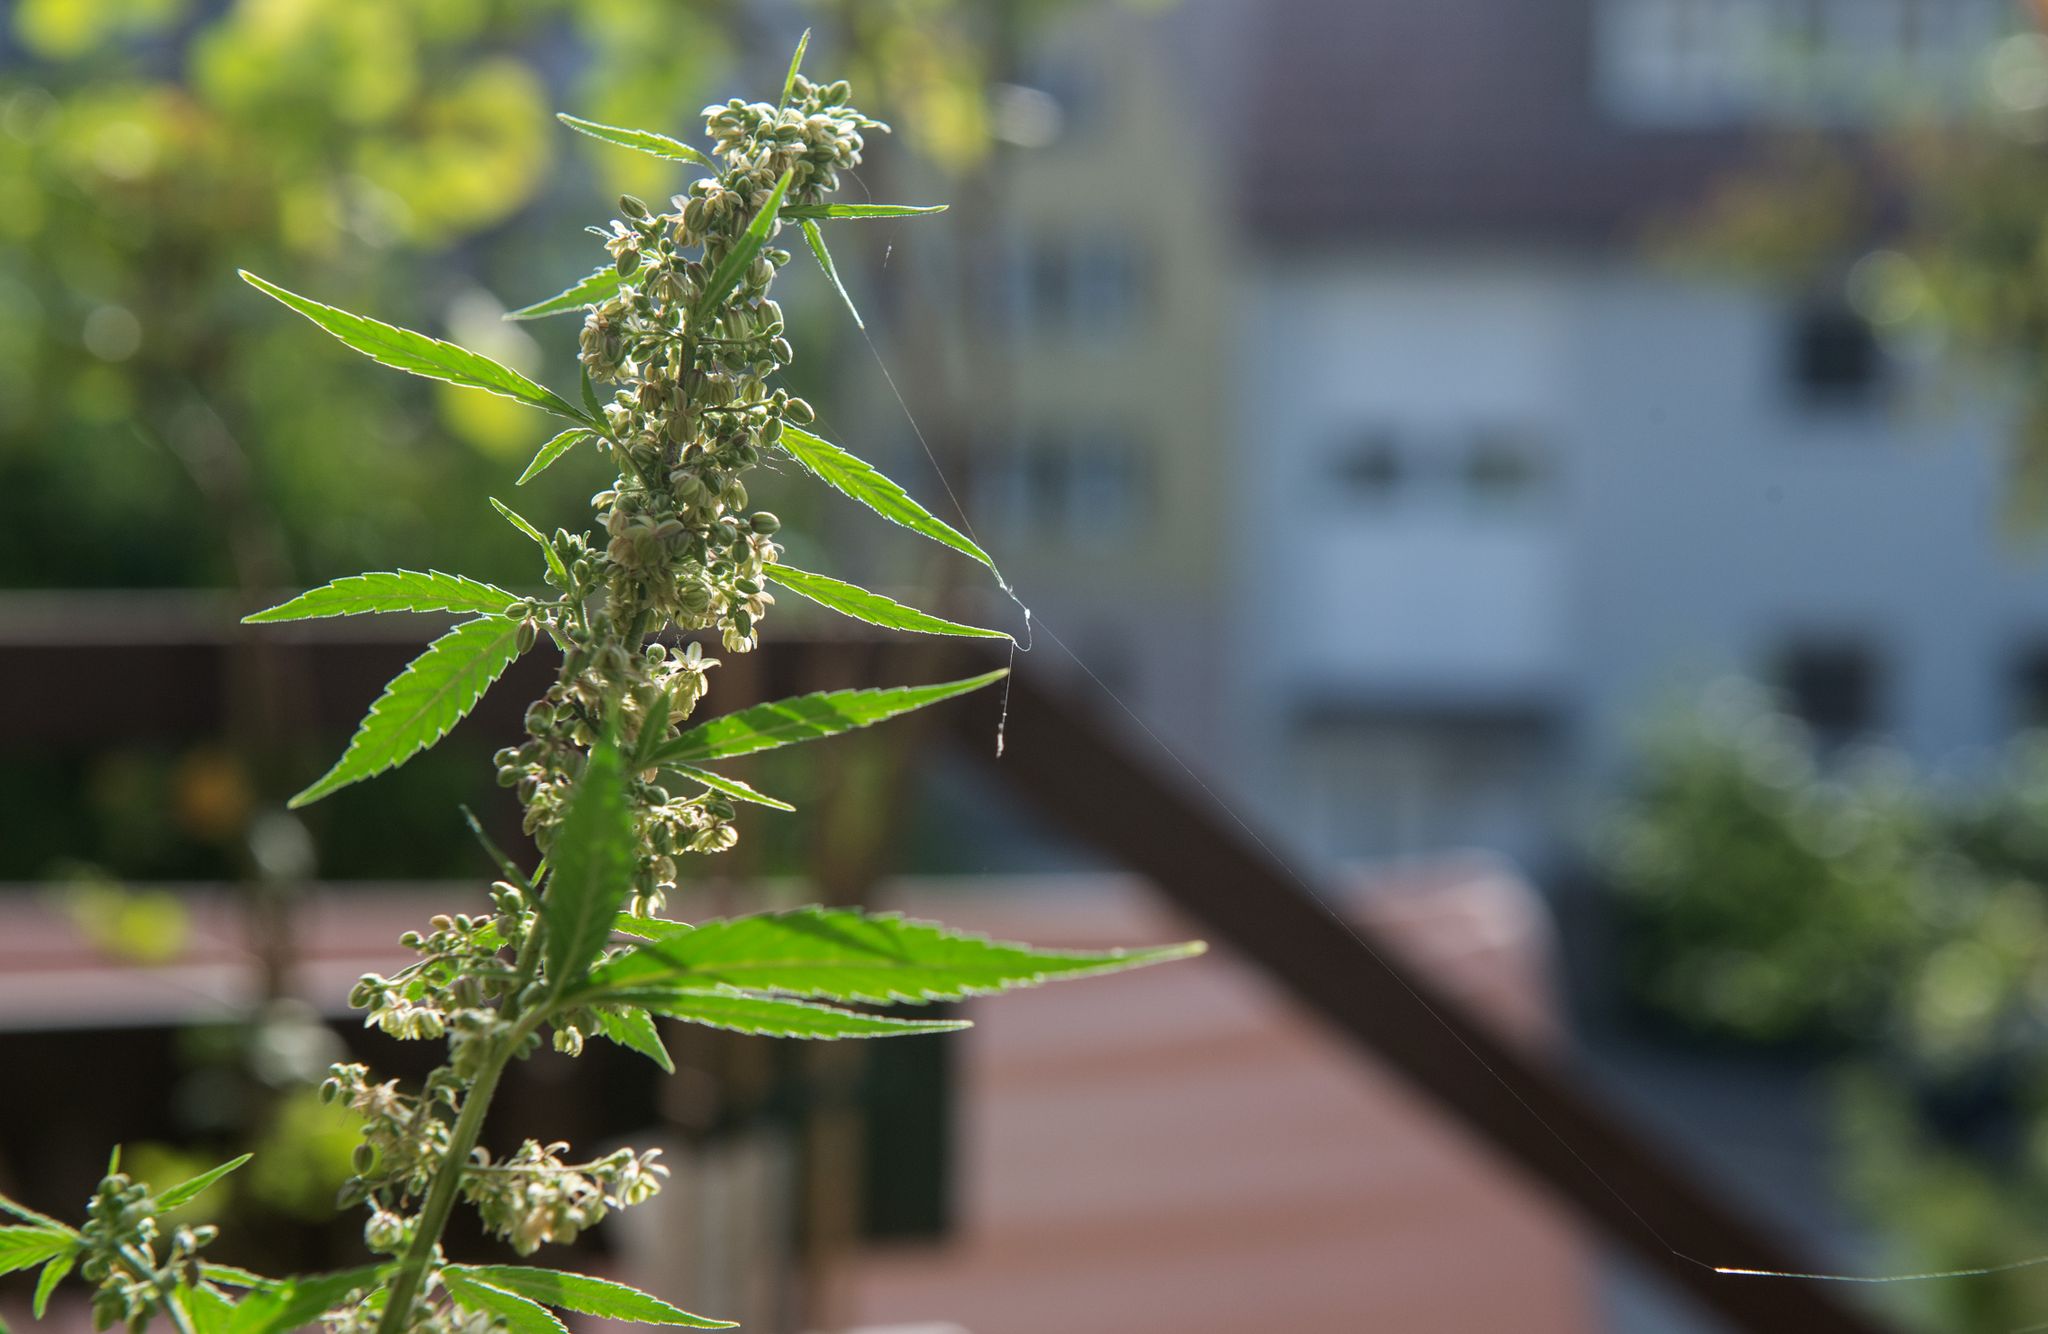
(680, 329)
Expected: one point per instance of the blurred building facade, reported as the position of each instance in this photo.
(1478, 481)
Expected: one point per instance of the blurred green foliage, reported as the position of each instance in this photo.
(1899, 926)
(161, 426)
(1934, 226)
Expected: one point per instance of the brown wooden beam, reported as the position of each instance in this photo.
(1096, 785)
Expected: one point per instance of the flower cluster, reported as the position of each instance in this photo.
(534, 1198)
(455, 987)
(121, 1236)
(692, 412)
(404, 1137)
(363, 1317)
(687, 344)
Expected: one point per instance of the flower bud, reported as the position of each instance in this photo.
(385, 1232)
(632, 207)
(765, 523)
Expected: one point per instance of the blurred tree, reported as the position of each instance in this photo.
(147, 152)
(160, 429)
(1934, 226)
(1902, 929)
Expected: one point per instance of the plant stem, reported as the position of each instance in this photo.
(433, 1220)
(140, 1265)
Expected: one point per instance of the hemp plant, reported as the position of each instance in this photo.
(615, 779)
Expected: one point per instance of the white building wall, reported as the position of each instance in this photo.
(1715, 516)
(1695, 517)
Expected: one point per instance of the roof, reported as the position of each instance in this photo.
(1458, 118)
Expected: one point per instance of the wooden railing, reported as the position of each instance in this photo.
(1102, 787)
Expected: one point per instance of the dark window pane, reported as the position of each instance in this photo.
(1833, 686)
(1369, 469)
(2030, 688)
(1835, 358)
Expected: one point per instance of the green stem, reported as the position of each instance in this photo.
(638, 630)
(166, 1288)
(433, 1220)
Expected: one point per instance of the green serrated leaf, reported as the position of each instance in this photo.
(382, 591)
(846, 954)
(808, 717)
(858, 480)
(822, 211)
(633, 1028)
(816, 240)
(435, 692)
(593, 857)
(551, 451)
(731, 787)
(641, 926)
(520, 1314)
(591, 291)
(587, 1295)
(857, 602)
(27, 1247)
(734, 266)
(590, 403)
(768, 1016)
(207, 1310)
(547, 548)
(296, 1302)
(645, 141)
(233, 1276)
(186, 1191)
(405, 350)
(46, 1282)
(28, 1215)
(795, 63)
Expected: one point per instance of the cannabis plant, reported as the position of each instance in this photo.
(618, 784)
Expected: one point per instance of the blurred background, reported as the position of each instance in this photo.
(1572, 475)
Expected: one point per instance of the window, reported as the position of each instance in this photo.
(1071, 286)
(2030, 688)
(1697, 62)
(1421, 777)
(1086, 485)
(1490, 468)
(1835, 359)
(1833, 685)
(1504, 468)
(1371, 469)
